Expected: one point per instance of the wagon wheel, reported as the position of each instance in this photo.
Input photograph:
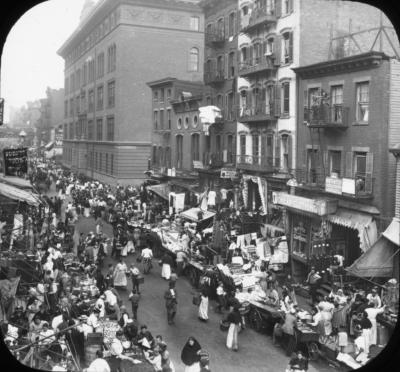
(313, 351)
(255, 320)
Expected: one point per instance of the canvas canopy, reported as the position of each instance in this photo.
(161, 190)
(15, 193)
(193, 214)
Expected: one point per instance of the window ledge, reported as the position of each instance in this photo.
(360, 123)
(284, 116)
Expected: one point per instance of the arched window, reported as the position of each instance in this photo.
(194, 60)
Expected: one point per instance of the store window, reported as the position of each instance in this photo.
(335, 160)
(362, 102)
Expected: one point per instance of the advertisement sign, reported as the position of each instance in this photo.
(333, 185)
(349, 186)
(15, 161)
(228, 173)
(320, 207)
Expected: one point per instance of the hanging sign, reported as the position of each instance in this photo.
(228, 173)
(15, 161)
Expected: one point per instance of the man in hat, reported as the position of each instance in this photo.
(171, 303)
(374, 298)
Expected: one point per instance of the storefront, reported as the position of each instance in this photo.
(318, 230)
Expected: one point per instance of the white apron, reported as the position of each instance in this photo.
(166, 271)
(203, 308)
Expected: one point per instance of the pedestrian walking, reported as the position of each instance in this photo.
(135, 275)
(203, 307)
(234, 318)
(167, 262)
(120, 274)
(171, 303)
(134, 298)
(190, 355)
(221, 297)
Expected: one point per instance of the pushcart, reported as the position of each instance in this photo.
(263, 317)
(308, 339)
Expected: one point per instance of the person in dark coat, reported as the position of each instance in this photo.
(190, 353)
(171, 302)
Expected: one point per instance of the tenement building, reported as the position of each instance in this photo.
(117, 48)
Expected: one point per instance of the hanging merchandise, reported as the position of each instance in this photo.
(179, 202)
(224, 194)
(262, 195)
(245, 192)
(211, 198)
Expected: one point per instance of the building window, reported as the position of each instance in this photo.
(71, 131)
(96, 161)
(111, 58)
(195, 23)
(179, 151)
(194, 60)
(231, 65)
(100, 65)
(111, 94)
(66, 85)
(72, 83)
(362, 167)
(110, 128)
(220, 101)
(243, 144)
(99, 129)
(106, 163)
(336, 103)
(312, 165)
(195, 147)
(285, 151)
(66, 108)
(162, 95)
(287, 47)
(231, 26)
(100, 97)
(362, 102)
(65, 131)
(155, 119)
(154, 156)
(230, 149)
(269, 48)
(287, 6)
(229, 106)
(78, 104)
(91, 100)
(161, 119)
(195, 121)
(112, 164)
(335, 160)
(90, 130)
(101, 162)
(179, 123)
(218, 147)
(285, 98)
(169, 119)
(256, 146)
(91, 70)
(169, 94)
(155, 95)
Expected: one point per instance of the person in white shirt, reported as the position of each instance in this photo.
(57, 320)
(46, 336)
(99, 364)
(93, 319)
(84, 327)
(147, 253)
(101, 306)
(155, 359)
(374, 298)
(112, 301)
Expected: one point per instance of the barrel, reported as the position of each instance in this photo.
(90, 352)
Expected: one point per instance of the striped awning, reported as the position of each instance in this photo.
(15, 193)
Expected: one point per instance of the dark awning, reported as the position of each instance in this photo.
(161, 190)
(378, 261)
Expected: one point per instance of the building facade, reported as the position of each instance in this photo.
(346, 125)
(118, 47)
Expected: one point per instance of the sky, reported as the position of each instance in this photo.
(29, 63)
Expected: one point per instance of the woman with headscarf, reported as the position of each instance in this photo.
(190, 355)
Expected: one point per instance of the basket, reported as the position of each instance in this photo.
(224, 325)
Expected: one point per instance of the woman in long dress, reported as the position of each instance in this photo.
(166, 266)
(203, 307)
(120, 274)
(190, 355)
(234, 319)
(372, 313)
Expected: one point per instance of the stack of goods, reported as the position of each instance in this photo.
(109, 329)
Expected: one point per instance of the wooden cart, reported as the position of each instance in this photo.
(263, 317)
(307, 339)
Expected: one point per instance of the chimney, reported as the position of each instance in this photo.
(395, 150)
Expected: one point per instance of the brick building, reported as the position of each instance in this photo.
(220, 78)
(347, 121)
(117, 48)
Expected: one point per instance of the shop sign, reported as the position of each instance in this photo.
(15, 161)
(228, 173)
(198, 164)
(333, 185)
(349, 186)
(320, 207)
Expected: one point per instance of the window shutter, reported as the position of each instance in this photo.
(348, 171)
(291, 47)
(368, 172)
(277, 151)
(277, 100)
(290, 6)
(290, 152)
(278, 8)
(277, 50)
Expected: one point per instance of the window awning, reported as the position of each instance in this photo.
(392, 233)
(362, 222)
(18, 194)
(192, 214)
(377, 262)
(161, 190)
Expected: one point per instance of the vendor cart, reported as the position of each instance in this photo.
(263, 317)
(307, 339)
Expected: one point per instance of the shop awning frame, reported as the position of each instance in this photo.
(162, 190)
(15, 193)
